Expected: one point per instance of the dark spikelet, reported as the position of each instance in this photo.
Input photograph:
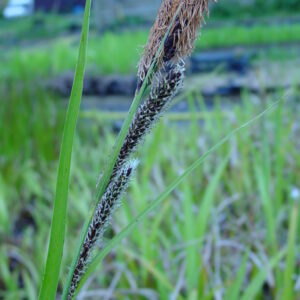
(165, 86)
(108, 203)
(171, 41)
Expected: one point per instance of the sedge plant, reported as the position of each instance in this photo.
(161, 71)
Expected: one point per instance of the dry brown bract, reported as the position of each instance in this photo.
(183, 33)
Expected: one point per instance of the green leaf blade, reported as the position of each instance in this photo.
(258, 281)
(291, 254)
(58, 224)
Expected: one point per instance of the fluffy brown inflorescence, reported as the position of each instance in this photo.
(183, 33)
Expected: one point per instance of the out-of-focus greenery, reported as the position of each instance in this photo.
(230, 229)
(254, 8)
(36, 27)
(119, 52)
(3, 4)
(228, 212)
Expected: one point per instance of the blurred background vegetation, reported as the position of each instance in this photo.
(218, 236)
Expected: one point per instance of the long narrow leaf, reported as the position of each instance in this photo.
(125, 232)
(258, 281)
(268, 208)
(58, 225)
(207, 201)
(193, 260)
(290, 258)
(234, 290)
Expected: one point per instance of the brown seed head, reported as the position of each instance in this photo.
(183, 33)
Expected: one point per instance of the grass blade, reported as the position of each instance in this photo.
(268, 208)
(151, 268)
(207, 202)
(261, 276)
(234, 290)
(290, 259)
(125, 232)
(193, 260)
(58, 225)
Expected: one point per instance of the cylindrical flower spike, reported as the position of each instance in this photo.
(181, 39)
(165, 86)
(109, 202)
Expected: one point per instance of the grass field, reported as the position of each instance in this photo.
(118, 52)
(229, 229)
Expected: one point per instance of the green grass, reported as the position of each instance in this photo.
(210, 226)
(36, 28)
(229, 228)
(228, 36)
(118, 52)
(257, 8)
